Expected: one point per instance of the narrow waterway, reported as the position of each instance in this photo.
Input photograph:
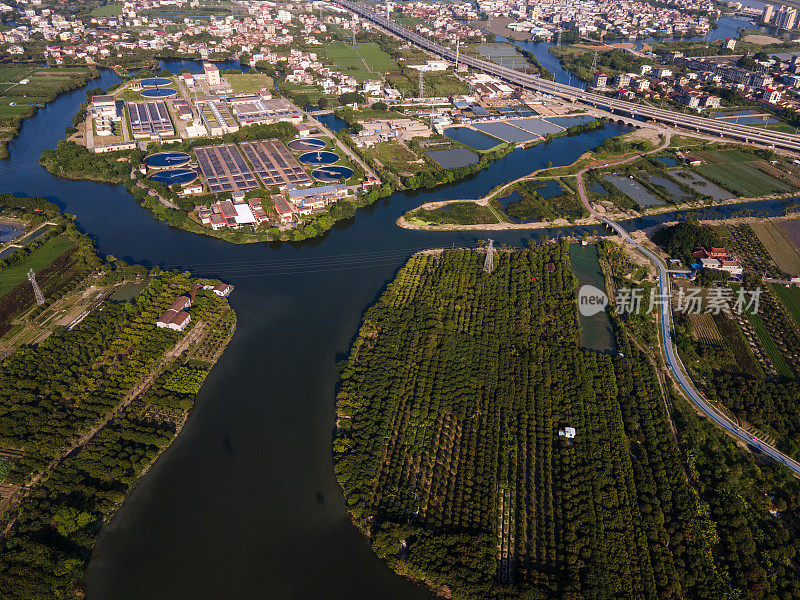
(244, 504)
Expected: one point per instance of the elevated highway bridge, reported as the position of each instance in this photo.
(640, 112)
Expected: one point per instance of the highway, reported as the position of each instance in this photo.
(723, 130)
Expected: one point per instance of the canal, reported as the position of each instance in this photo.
(244, 504)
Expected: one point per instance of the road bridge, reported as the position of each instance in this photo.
(722, 130)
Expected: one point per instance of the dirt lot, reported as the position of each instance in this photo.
(761, 40)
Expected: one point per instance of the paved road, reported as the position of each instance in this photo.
(721, 129)
(670, 351)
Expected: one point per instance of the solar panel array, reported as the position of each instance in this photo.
(274, 164)
(150, 118)
(536, 126)
(505, 132)
(225, 169)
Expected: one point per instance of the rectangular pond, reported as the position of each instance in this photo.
(453, 158)
(596, 331)
(672, 188)
(474, 139)
(702, 185)
(667, 161)
(9, 232)
(634, 190)
(8, 252)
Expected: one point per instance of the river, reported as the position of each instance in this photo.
(244, 504)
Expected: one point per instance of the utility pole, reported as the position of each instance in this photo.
(558, 43)
(36, 291)
(594, 62)
(488, 265)
(421, 90)
(354, 36)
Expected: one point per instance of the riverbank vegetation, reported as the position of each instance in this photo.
(452, 452)
(58, 253)
(25, 87)
(85, 411)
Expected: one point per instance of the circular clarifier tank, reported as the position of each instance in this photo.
(152, 82)
(158, 93)
(171, 176)
(306, 144)
(320, 157)
(163, 160)
(332, 173)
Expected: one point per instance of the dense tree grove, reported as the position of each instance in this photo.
(53, 394)
(449, 453)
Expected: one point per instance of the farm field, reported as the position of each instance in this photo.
(779, 247)
(452, 451)
(365, 61)
(742, 178)
(790, 297)
(791, 231)
(773, 352)
(704, 329)
(12, 276)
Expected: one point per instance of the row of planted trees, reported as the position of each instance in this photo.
(448, 451)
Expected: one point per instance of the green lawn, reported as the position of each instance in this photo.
(365, 61)
(248, 82)
(456, 213)
(742, 178)
(109, 10)
(40, 258)
(791, 299)
(725, 156)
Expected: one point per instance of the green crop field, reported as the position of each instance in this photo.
(742, 178)
(725, 156)
(366, 61)
(40, 258)
(779, 247)
(13, 73)
(772, 350)
(790, 297)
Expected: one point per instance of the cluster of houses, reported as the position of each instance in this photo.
(236, 213)
(717, 258)
(177, 317)
(601, 18)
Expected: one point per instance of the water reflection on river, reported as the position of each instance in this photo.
(245, 504)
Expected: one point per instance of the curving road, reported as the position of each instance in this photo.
(670, 350)
(721, 129)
